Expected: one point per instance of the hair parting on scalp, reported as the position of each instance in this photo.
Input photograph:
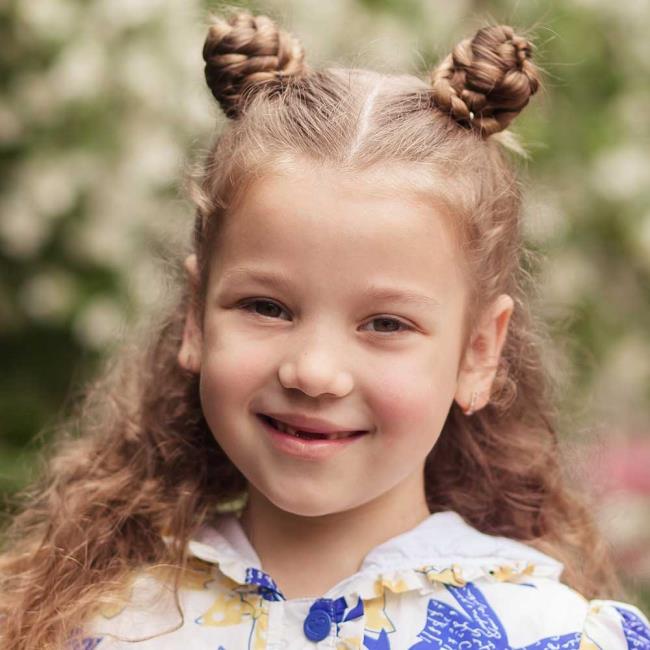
(137, 463)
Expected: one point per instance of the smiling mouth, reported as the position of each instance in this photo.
(307, 435)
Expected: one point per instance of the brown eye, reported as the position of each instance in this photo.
(262, 308)
(391, 325)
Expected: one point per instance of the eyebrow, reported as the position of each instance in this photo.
(283, 282)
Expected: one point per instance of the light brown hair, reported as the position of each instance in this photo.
(138, 461)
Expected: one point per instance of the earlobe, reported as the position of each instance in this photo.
(189, 354)
(481, 358)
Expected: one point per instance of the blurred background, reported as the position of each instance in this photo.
(103, 103)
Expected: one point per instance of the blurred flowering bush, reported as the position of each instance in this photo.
(103, 102)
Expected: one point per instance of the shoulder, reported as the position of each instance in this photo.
(614, 624)
(555, 610)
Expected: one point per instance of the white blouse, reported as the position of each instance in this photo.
(442, 585)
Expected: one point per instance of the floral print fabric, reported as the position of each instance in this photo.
(442, 585)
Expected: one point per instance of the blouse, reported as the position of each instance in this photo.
(441, 585)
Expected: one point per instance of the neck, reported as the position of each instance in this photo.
(307, 556)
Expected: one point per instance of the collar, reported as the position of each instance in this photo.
(441, 549)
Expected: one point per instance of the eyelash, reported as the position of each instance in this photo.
(249, 303)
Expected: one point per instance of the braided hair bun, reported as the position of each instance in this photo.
(244, 51)
(486, 80)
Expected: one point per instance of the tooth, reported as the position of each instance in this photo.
(286, 428)
(294, 432)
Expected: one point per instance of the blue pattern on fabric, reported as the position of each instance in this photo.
(637, 633)
(268, 588)
(380, 643)
(89, 643)
(355, 612)
(448, 628)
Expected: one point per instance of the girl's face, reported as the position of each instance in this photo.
(330, 297)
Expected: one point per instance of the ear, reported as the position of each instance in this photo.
(189, 354)
(481, 357)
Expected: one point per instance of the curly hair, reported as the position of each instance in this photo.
(136, 464)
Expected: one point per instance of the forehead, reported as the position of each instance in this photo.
(320, 222)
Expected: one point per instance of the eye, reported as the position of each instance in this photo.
(392, 323)
(268, 307)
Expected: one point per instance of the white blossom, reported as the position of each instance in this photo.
(99, 323)
(122, 14)
(152, 155)
(622, 173)
(48, 19)
(621, 382)
(567, 276)
(79, 72)
(544, 218)
(22, 230)
(48, 295)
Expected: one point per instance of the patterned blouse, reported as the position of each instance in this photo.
(442, 585)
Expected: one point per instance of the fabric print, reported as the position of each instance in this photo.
(507, 572)
(234, 608)
(394, 604)
(196, 577)
(450, 576)
(587, 644)
(89, 643)
(397, 586)
(380, 643)
(355, 612)
(349, 643)
(448, 628)
(377, 619)
(637, 633)
(267, 586)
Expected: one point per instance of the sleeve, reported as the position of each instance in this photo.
(612, 625)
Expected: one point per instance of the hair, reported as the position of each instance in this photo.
(136, 470)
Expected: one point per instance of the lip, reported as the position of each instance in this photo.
(304, 449)
(310, 424)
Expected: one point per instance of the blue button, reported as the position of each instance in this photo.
(317, 625)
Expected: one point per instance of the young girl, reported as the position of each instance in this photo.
(342, 434)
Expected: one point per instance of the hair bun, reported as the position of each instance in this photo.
(487, 80)
(245, 50)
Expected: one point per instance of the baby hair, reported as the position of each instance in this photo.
(136, 470)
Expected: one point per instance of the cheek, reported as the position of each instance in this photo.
(414, 398)
(231, 369)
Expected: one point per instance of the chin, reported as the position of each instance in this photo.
(307, 503)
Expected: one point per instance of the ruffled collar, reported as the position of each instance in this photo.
(441, 549)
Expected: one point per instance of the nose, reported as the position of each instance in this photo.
(314, 370)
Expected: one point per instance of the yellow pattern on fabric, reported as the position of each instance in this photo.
(196, 577)
(228, 609)
(507, 573)
(233, 608)
(450, 576)
(111, 610)
(349, 643)
(376, 617)
(396, 586)
(587, 644)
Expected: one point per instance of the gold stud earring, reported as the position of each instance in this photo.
(472, 402)
(188, 360)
